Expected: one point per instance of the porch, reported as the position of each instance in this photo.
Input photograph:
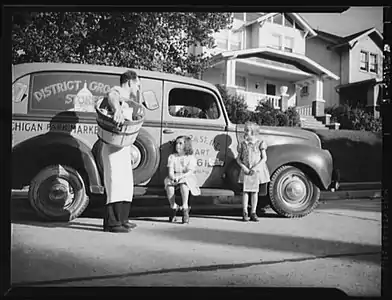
(366, 94)
(272, 76)
(253, 99)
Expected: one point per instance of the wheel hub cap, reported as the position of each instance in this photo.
(295, 190)
(60, 193)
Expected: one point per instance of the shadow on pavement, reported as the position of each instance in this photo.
(27, 216)
(85, 269)
(286, 243)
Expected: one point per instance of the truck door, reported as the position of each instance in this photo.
(195, 111)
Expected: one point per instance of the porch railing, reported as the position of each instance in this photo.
(305, 110)
(252, 99)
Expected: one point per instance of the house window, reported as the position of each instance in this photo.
(373, 66)
(364, 63)
(288, 44)
(221, 43)
(240, 81)
(235, 41)
(271, 89)
(304, 91)
(276, 41)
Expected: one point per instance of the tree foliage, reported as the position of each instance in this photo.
(142, 40)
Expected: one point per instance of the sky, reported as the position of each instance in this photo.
(353, 20)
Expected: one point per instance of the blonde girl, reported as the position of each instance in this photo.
(252, 158)
(181, 166)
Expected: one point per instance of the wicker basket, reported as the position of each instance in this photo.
(120, 136)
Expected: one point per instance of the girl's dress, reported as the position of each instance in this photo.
(180, 165)
(250, 154)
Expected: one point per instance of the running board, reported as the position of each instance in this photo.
(160, 191)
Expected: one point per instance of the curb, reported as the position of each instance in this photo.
(343, 195)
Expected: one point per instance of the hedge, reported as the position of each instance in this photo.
(357, 154)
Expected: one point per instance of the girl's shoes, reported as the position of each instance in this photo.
(254, 217)
(185, 216)
(172, 217)
(245, 217)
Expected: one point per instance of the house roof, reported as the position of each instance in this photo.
(353, 38)
(329, 37)
(372, 81)
(296, 16)
(298, 60)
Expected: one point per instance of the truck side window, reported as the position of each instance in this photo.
(187, 103)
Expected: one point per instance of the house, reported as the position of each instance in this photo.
(263, 58)
(279, 58)
(358, 60)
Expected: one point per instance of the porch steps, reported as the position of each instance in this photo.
(311, 122)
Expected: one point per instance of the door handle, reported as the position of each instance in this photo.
(168, 131)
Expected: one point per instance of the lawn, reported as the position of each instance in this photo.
(357, 154)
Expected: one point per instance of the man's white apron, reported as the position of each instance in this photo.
(117, 169)
(118, 173)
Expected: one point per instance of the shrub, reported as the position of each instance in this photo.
(293, 116)
(264, 114)
(357, 154)
(354, 118)
(236, 107)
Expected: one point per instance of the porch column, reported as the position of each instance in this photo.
(373, 95)
(318, 103)
(230, 66)
(284, 100)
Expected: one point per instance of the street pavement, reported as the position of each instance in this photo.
(337, 246)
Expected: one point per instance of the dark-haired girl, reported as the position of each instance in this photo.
(182, 164)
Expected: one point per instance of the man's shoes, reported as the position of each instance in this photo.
(116, 229)
(129, 225)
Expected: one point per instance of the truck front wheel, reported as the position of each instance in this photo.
(292, 193)
(57, 193)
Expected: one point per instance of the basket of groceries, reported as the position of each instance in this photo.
(119, 135)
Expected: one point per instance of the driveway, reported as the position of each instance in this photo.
(338, 245)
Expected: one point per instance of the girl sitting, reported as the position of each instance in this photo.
(182, 164)
(252, 158)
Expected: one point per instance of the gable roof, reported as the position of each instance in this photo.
(296, 59)
(350, 40)
(295, 16)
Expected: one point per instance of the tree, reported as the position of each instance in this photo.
(141, 40)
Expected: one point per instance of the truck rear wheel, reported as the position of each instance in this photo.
(58, 193)
(292, 194)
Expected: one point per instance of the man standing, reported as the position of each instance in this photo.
(117, 162)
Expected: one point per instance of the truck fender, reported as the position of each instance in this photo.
(318, 160)
(30, 156)
(315, 162)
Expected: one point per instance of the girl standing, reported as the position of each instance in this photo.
(182, 164)
(252, 158)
